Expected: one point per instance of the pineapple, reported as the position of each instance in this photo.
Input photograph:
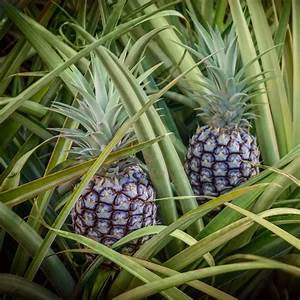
(222, 154)
(120, 198)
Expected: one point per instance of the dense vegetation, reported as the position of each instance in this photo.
(87, 84)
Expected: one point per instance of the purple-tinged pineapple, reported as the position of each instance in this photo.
(116, 203)
(222, 154)
(220, 159)
(120, 198)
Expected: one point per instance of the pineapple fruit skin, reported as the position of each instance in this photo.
(114, 204)
(219, 159)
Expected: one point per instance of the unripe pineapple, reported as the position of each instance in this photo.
(222, 154)
(120, 198)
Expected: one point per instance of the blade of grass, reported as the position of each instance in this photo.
(264, 244)
(282, 26)
(34, 88)
(32, 108)
(276, 89)
(52, 267)
(296, 71)
(152, 288)
(121, 260)
(222, 236)
(34, 127)
(176, 53)
(158, 242)
(16, 286)
(264, 122)
(13, 178)
(26, 191)
(21, 49)
(271, 195)
(264, 200)
(201, 286)
(220, 14)
(275, 229)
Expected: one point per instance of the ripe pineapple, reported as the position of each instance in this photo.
(222, 154)
(120, 197)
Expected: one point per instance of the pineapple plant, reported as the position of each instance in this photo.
(39, 38)
(222, 153)
(120, 198)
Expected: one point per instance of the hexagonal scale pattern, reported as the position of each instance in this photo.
(114, 204)
(220, 159)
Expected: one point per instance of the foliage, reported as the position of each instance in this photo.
(250, 250)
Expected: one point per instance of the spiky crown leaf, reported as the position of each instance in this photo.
(225, 88)
(99, 113)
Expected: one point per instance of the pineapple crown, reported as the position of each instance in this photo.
(98, 111)
(225, 88)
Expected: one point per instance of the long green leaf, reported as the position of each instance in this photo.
(34, 88)
(264, 122)
(19, 287)
(175, 280)
(29, 190)
(201, 286)
(296, 70)
(275, 229)
(222, 236)
(52, 267)
(125, 262)
(275, 86)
